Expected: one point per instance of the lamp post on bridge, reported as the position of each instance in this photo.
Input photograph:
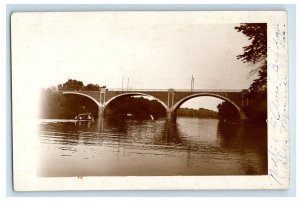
(192, 83)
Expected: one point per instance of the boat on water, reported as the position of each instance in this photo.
(84, 117)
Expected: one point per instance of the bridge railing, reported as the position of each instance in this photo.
(164, 90)
(125, 90)
(181, 90)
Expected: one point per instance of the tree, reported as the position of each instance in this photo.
(71, 85)
(227, 112)
(91, 87)
(256, 53)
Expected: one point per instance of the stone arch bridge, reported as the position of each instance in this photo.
(171, 99)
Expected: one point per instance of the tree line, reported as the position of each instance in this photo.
(197, 113)
(75, 85)
(136, 107)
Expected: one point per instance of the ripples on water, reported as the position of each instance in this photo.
(115, 147)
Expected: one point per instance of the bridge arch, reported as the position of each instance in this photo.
(82, 94)
(180, 102)
(135, 94)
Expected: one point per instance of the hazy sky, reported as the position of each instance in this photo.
(153, 50)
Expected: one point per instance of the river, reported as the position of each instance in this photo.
(127, 147)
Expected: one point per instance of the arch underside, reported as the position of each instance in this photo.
(135, 94)
(239, 110)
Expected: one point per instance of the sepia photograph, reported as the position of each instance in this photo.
(142, 94)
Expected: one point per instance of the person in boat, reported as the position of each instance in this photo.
(85, 117)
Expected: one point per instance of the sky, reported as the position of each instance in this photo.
(153, 50)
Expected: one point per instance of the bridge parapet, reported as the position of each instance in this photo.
(177, 90)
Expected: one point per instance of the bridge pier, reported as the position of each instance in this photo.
(243, 116)
(101, 111)
(171, 116)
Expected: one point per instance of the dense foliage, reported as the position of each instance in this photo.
(199, 113)
(257, 108)
(227, 112)
(55, 105)
(255, 54)
(75, 85)
(137, 107)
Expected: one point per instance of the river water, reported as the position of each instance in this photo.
(118, 147)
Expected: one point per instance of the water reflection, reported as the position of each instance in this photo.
(140, 147)
(249, 141)
(171, 134)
